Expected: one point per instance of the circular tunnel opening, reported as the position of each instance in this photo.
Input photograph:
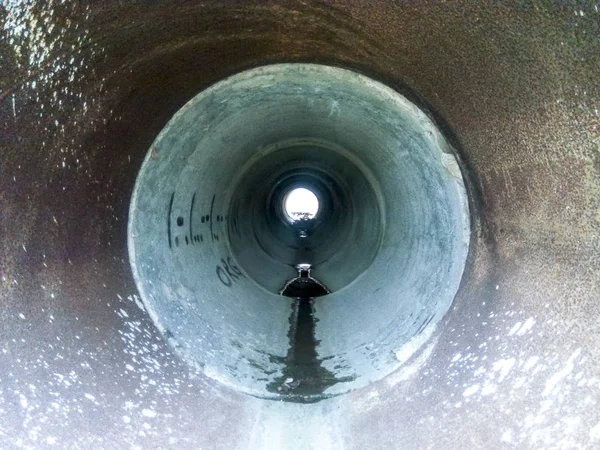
(222, 260)
(301, 204)
(268, 246)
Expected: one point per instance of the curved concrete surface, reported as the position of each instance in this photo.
(86, 90)
(390, 244)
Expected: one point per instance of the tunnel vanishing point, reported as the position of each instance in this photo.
(157, 292)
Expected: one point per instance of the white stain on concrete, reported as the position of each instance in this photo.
(528, 325)
(148, 413)
(559, 376)
(470, 390)
(503, 366)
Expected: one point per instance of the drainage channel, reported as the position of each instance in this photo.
(387, 212)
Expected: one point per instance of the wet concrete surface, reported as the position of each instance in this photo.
(513, 364)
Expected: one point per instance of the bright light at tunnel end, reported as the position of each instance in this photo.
(301, 204)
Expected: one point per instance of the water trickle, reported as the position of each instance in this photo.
(304, 379)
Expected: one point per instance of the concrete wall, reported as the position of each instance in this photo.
(86, 88)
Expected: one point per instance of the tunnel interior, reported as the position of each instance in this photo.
(154, 290)
(389, 244)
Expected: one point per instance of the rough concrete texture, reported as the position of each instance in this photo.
(322, 119)
(86, 87)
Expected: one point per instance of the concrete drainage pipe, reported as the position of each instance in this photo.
(211, 251)
(158, 292)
